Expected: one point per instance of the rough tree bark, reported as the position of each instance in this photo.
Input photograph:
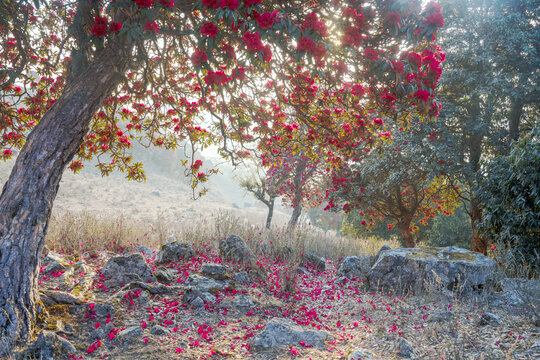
(403, 227)
(297, 199)
(478, 242)
(27, 197)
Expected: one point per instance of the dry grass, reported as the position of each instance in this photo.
(84, 231)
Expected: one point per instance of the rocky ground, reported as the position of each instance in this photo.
(224, 302)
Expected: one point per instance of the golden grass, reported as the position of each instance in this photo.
(84, 231)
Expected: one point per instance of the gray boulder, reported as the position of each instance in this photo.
(315, 261)
(121, 270)
(55, 297)
(130, 335)
(215, 271)
(449, 269)
(404, 349)
(519, 291)
(235, 249)
(383, 248)
(355, 266)
(48, 346)
(242, 278)
(285, 332)
(159, 330)
(243, 302)
(360, 354)
(165, 275)
(174, 251)
(489, 319)
(205, 284)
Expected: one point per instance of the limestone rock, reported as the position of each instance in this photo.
(449, 268)
(360, 354)
(159, 330)
(243, 302)
(48, 346)
(215, 271)
(205, 284)
(174, 251)
(315, 261)
(121, 270)
(355, 266)
(242, 278)
(164, 275)
(489, 319)
(285, 332)
(55, 297)
(235, 249)
(404, 349)
(130, 335)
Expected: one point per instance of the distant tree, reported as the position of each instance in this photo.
(510, 193)
(400, 182)
(489, 88)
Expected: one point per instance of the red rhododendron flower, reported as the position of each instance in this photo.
(371, 54)
(239, 73)
(99, 29)
(214, 4)
(306, 44)
(215, 78)
(167, 3)
(144, 3)
(435, 19)
(251, 2)
(340, 67)
(397, 66)
(209, 29)
(267, 20)
(231, 4)
(152, 27)
(198, 58)
(312, 22)
(115, 27)
(357, 90)
(423, 95)
(253, 41)
(378, 121)
(393, 17)
(352, 36)
(229, 51)
(414, 59)
(267, 53)
(319, 51)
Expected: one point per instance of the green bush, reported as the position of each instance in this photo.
(451, 230)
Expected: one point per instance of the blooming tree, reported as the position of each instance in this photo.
(85, 79)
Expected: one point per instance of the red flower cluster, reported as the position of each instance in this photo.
(152, 27)
(312, 22)
(214, 4)
(229, 51)
(357, 90)
(99, 29)
(352, 37)
(393, 17)
(306, 44)
(253, 41)
(371, 54)
(266, 20)
(215, 78)
(397, 66)
(239, 73)
(209, 29)
(144, 3)
(435, 19)
(267, 53)
(422, 95)
(414, 59)
(198, 58)
(196, 166)
(167, 3)
(248, 3)
(231, 4)
(115, 27)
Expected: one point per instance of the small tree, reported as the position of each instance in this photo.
(399, 182)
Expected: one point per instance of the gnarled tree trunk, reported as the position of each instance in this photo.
(478, 242)
(403, 227)
(270, 212)
(28, 195)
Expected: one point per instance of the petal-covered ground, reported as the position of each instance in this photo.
(151, 321)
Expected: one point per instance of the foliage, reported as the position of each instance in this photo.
(450, 230)
(510, 194)
(400, 182)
